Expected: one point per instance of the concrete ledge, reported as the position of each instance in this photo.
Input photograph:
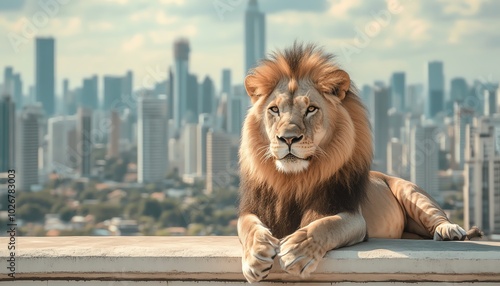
(154, 260)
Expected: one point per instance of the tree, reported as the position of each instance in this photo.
(31, 212)
(150, 207)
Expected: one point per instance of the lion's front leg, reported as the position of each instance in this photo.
(301, 252)
(259, 247)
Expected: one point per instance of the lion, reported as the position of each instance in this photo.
(306, 185)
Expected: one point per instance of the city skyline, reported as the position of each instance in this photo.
(182, 130)
(419, 32)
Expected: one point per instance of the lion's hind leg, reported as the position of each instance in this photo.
(424, 215)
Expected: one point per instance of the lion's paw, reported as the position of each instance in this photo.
(300, 254)
(449, 231)
(259, 255)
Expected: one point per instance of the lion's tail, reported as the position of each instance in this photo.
(474, 232)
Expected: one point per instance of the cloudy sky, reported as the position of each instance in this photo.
(371, 38)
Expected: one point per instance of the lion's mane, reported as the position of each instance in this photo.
(282, 201)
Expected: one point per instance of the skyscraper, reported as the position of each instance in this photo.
(204, 125)
(235, 112)
(459, 89)
(114, 135)
(424, 159)
(27, 143)
(45, 74)
(8, 84)
(181, 58)
(60, 157)
(207, 96)
(218, 160)
(482, 173)
(255, 35)
(435, 88)
(152, 139)
(398, 88)
(226, 81)
(84, 141)
(381, 99)
(7, 133)
(128, 84)
(462, 117)
(192, 100)
(17, 92)
(90, 93)
(112, 92)
(190, 139)
(490, 99)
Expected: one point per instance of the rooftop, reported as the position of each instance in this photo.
(216, 260)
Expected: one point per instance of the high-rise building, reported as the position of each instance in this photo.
(18, 91)
(490, 99)
(90, 97)
(112, 92)
(462, 117)
(114, 135)
(482, 175)
(396, 122)
(226, 81)
(7, 133)
(235, 112)
(181, 78)
(84, 141)
(435, 88)
(128, 84)
(8, 76)
(192, 100)
(190, 139)
(204, 125)
(458, 90)
(152, 139)
(424, 159)
(381, 99)
(398, 88)
(45, 74)
(218, 160)
(415, 99)
(61, 158)
(207, 96)
(255, 35)
(170, 94)
(395, 157)
(27, 143)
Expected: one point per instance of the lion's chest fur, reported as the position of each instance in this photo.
(286, 210)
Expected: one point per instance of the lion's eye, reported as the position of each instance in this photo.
(311, 109)
(275, 109)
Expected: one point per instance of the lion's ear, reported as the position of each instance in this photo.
(341, 83)
(251, 87)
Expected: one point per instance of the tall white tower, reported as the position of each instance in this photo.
(152, 139)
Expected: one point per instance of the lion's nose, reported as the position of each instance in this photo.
(289, 140)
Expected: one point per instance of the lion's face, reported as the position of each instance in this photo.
(295, 124)
(305, 119)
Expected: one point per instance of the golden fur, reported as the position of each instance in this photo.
(305, 156)
(346, 156)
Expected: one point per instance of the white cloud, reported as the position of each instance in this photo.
(101, 26)
(133, 44)
(463, 28)
(163, 19)
(121, 2)
(341, 8)
(461, 7)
